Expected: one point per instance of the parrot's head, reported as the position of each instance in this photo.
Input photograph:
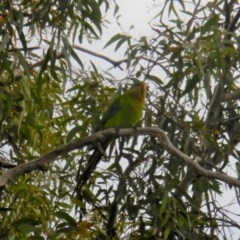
(138, 91)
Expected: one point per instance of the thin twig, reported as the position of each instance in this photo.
(232, 96)
(98, 55)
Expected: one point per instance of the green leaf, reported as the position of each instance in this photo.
(94, 68)
(24, 63)
(191, 84)
(45, 61)
(71, 51)
(4, 41)
(67, 218)
(26, 225)
(215, 186)
(2, 109)
(91, 29)
(121, 41)
(23, 41)
(155, 79)
(164, 204)
(166, 233)
(96, 15)
(213, 21)
(116, 38)
(238, 169)
(116, 9)
(73, 132)
(36, 238)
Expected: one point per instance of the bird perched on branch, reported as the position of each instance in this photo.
(125, 111)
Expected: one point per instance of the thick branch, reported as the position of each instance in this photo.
(49, 157)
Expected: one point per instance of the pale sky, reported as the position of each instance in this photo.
(137, 13)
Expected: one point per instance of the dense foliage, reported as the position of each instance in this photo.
(51, 95)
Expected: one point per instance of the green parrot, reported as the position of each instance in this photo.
(125, 111)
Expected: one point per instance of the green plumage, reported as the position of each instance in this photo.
(126, 109)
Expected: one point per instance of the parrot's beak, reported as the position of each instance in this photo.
(144, 86)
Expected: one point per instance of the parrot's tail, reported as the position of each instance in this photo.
(95, 158)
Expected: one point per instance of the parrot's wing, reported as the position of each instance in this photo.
(112, 110)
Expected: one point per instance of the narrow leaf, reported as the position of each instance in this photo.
(191, 84)
(67, 218)
(115, 38)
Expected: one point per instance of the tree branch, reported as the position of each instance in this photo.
(37, 64)
(40, 162)
(5, 164)
(214, 107)
(233, 24)
(98, 55)
(232, 96)
(95, 54)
